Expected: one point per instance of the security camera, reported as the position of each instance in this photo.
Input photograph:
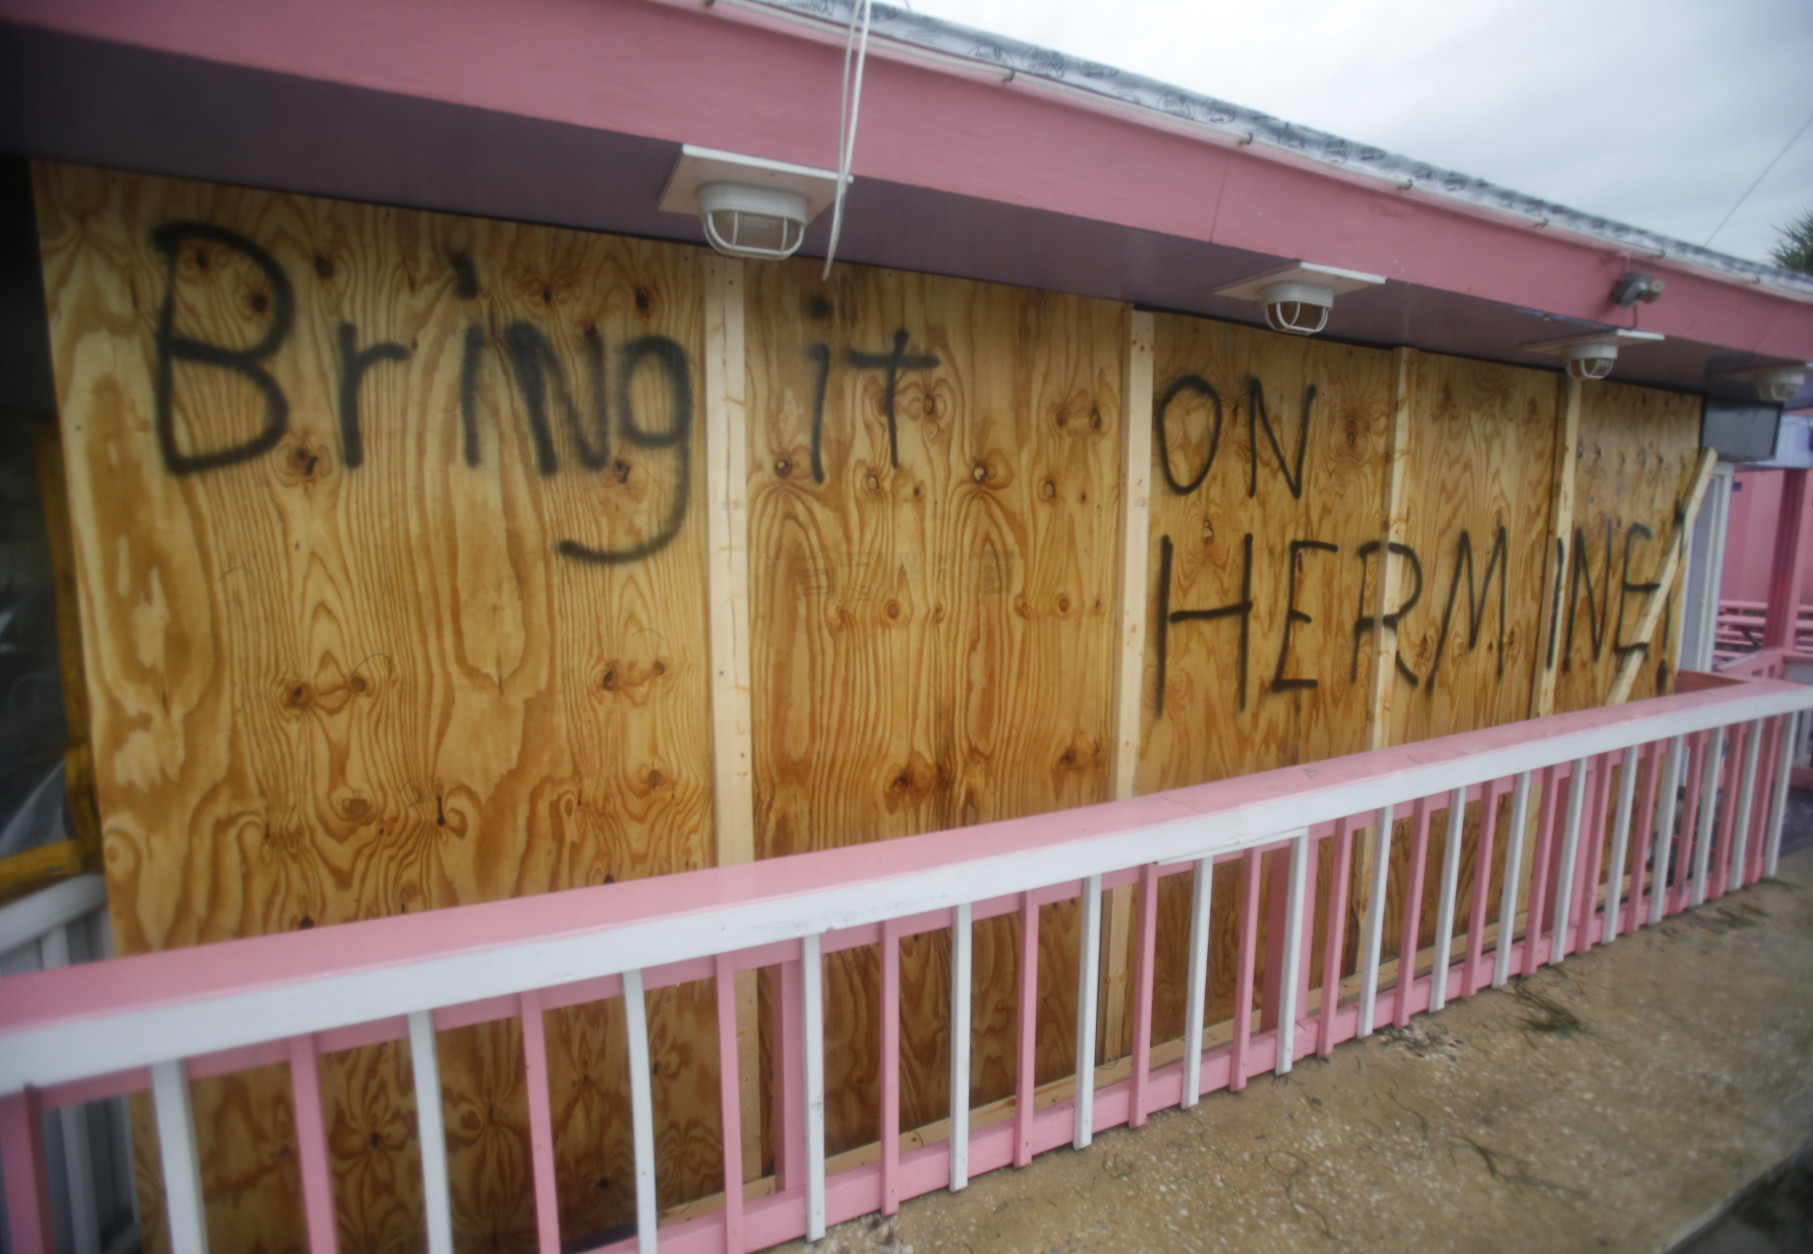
(1637, 287)
(1590, 359)
(1297, 297)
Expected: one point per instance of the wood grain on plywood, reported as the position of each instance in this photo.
(1268, 476)
(390, 557)
(1634, 462)
(934, 481)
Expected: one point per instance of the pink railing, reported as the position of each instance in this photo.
(1592, 823)
(1740, 629)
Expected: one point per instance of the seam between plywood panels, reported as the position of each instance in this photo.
(1130, 653)
(727, 579)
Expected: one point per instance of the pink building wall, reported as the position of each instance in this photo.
(1750, 539)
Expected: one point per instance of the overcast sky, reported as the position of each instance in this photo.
(1658, 113)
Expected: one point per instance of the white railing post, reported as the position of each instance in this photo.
(1708, 816)
(431, 1131)
(1614, 892)
(813, 1029)
(1507, 894)
(1089, 964)
(1444, 911)
(184, 1209)
(1202, 891)
(1664, 838)
(962, 942)
(1746, 800)
(1375, 920)
(1778, 807)
(1570, 853)
(1293, 957)
(642, 1110)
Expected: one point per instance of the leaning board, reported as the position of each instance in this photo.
(391, 566)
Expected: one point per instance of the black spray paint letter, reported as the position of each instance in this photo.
(172, 348)
(670, 359)
(353, 365)
(893, 362)
(1293, 615)
(1161, 413)
(1167, 616)
(1365, 622)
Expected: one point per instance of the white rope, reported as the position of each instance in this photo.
(849, 106)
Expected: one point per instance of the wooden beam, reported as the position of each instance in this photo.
(78, 755)
(1394, 527)
(35, 868)
(1673, 557)
(727, 591)
(1555, 563)
(1130, 655)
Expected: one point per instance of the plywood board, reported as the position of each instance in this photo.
(390, 557)
(1633, 465)
(934, 477)
(1257, 664)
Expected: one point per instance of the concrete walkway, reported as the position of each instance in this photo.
(1615, 1104)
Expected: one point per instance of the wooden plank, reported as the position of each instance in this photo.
(727, 575)
(1395, 530)
(78, 758)
(405, 641)
(1557, 561)
(934, 500)
(1637, 456)
(1236, 692)
(1130, 657)
(1666, 589)
(1480, 481)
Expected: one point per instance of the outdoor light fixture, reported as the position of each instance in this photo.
(1297, 297)
(749, 207)
(1778, 382)
(1592, 354)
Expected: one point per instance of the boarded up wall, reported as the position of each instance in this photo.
(374, 622)
(934, 475)
(389, 541)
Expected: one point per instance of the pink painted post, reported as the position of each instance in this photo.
(730, 1102)
(1473, 973)
(1243, 978)
(311, 1149)
(1539, 871)
(1647, 789)
(1786, 575)
(1592, 865)
(1413, 910)
(1718, 883)
(790, 1079)
(1336, 935)
(541, 1123)
(1690, 813)
(27, 1181)
(1144, 973)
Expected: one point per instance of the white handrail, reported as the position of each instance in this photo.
(762, 903)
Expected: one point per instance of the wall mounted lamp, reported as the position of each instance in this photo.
(1777, 382)
(1591, 355)
(1297, 297)
(749, 206)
